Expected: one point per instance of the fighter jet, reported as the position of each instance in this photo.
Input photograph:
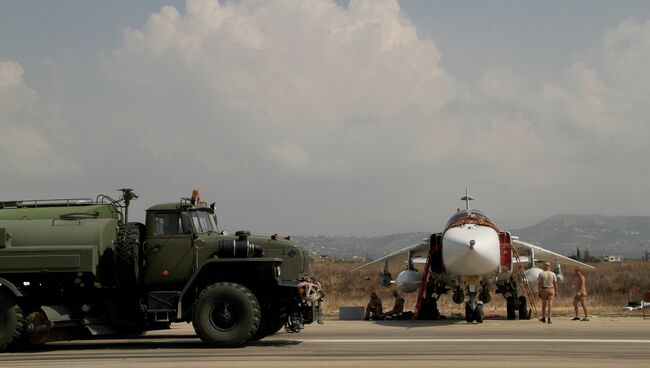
(470, 257)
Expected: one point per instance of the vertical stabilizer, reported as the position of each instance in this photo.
(466, 198)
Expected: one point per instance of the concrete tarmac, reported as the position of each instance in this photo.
(601, 342)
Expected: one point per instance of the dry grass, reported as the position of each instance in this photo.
(610, 288)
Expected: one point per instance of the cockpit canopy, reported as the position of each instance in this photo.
(476, 216)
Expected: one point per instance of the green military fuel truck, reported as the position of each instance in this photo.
(76, 268)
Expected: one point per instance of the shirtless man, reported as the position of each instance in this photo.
(547, 286)
(581, 296)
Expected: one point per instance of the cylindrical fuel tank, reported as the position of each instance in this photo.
(64, 238)
(97, 232)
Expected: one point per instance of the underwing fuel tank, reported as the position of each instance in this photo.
(471, 250)
(533, 273)
(531, 276)
(408, 281)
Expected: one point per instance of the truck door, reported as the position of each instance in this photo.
(168, 250)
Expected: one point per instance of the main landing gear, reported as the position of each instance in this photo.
(515, 304)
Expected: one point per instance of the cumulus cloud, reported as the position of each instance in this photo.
(328, 96)
(346, 99)
(26, 128)
(311, 117)
(305, 73)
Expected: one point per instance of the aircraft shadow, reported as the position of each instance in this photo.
(427, 323)
(416, 324)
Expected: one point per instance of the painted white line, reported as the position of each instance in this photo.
(603, 341)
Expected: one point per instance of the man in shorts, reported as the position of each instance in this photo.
(581, 296)
(547, 287)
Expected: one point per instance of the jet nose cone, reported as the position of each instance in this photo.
(471, 250)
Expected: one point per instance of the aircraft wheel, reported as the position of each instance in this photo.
(485, 297)
(523, 308)
(226, 315)
(469, 315)
(478, 313)
(510, 307)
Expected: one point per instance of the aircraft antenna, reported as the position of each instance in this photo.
(466, 198)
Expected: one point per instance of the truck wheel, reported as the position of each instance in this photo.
(11, 322)
(269, 326)
(226, 315)
(127, 254)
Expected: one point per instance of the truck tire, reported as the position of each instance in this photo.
(127, 255)
(11, 322)
(226, 315)
(269, 326)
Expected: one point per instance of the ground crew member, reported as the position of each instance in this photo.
(547, 287)
(398, 307)
(581, 295)
(374, 307)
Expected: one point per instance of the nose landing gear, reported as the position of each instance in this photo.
(474, 309)
(474, 304)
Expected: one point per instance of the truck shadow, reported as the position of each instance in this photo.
(171, 342)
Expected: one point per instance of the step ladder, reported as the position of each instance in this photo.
(529, 293)
(423, 283)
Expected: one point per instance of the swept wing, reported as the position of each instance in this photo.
(547, 255)
(418, 250)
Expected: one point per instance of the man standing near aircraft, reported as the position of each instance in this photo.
(547, 286)
(581, 296)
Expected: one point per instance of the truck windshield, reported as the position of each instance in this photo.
(203, 222)
(213, 220)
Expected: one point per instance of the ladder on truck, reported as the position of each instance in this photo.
(529, 293)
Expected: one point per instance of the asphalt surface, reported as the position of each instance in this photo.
(601, 342)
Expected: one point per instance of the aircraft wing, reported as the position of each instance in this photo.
(420, 249)
(547, 255)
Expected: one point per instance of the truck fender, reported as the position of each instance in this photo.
(7, 285)
(214, 264)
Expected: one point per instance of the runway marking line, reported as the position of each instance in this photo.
(604, 341)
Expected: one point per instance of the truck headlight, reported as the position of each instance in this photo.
(278, 271)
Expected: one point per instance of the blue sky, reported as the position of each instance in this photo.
(362, 118)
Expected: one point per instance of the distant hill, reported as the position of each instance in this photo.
(351, 247)
(626, 236)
